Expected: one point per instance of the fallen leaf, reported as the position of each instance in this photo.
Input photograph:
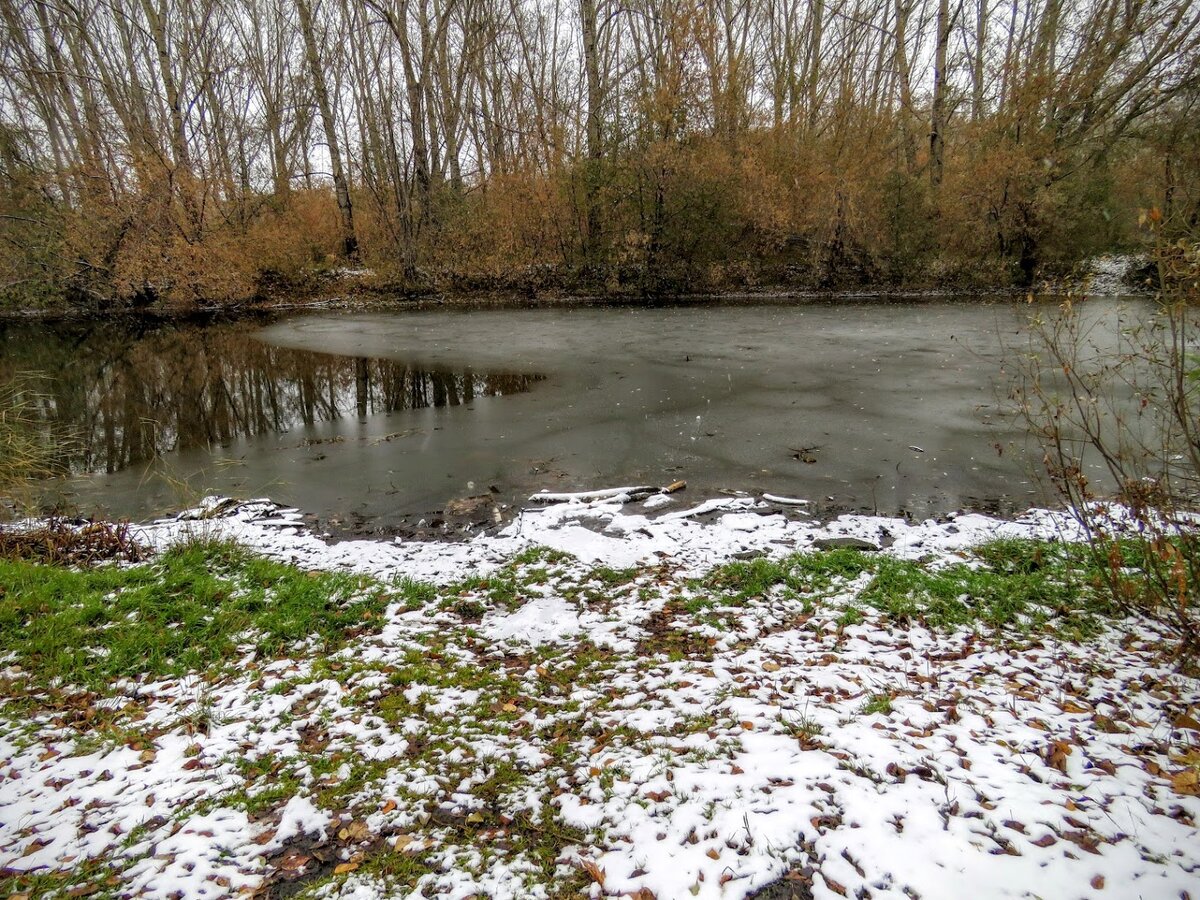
(1186, 782)
(1084, 840)
(1056, 757)
(345, 868)
(713, 853)
(294, 862)
(388, 807)
(313, 739)
(1045, 840)
(1098, 883)
(355, 831)
(834, 886)
(594, 871)
(770, 666)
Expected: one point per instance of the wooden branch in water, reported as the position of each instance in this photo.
(621, 494)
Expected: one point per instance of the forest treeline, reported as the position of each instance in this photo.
(205, 151)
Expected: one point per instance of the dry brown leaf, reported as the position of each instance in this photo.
(313, 739)
(1186, 782)
(294, 862)
(713, 853)
(388, 807)
(834, 886)
(1098, 883)
(1187, 721)
(355, 831)
(594, 871)
(345, 868)
(1057, 755)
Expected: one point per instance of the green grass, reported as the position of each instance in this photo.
(197, 607)
(877, 703)
(803, 573)
(1019, 584)
(201, 605)
(87, 878)
(1026, 585)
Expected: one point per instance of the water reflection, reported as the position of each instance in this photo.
(127, 393)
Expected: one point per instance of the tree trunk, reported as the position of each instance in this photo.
(904, 85)
(591, 64)
(977, 67)
(937, 123)
(341, 188)
(813, 80)
(157, 21)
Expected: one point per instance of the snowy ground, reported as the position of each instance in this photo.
(609, 722)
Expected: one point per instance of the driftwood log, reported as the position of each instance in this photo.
(620, 495)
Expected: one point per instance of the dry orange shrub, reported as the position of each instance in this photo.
(838, 206)
(167, 251)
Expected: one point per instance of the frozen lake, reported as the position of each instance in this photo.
(379, 419)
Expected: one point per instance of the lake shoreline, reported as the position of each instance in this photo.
(364, 291)
(595, 701)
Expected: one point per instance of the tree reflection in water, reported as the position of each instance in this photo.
(126, 393)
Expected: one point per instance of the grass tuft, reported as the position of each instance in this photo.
(197, 608)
